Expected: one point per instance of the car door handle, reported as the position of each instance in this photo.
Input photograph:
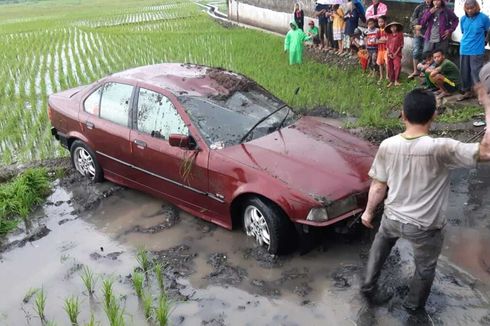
(141, 144)
(89, 125)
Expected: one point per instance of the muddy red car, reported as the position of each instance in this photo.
(217, 145)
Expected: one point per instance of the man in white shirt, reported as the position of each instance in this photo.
(411, 170)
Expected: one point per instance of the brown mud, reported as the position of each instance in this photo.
(219, 277)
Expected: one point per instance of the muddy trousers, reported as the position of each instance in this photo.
(426, 244)
(394, 67)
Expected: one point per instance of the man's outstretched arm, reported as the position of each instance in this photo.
(377, 193)
(484, 98)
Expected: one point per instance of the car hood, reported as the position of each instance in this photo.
(313, 157)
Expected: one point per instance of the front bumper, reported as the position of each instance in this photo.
(334, 220)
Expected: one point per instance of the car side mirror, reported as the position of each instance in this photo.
(182, 141)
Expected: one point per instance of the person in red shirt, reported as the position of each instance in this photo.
(394, 46)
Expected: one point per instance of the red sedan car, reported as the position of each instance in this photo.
(217, 145)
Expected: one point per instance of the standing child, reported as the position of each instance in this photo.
(394, 46)
(338, 27)
(372, 44)
(293, 43)
(382, 57)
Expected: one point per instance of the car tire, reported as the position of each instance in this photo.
(268, 225)
(84, 161)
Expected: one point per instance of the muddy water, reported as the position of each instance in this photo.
(218, 277)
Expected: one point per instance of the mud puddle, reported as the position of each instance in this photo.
(219, 277)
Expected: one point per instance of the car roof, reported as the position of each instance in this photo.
(187, 79)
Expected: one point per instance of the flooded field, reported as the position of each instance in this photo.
(217, 277)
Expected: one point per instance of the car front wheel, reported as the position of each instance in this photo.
(84, 161)
(268, 225)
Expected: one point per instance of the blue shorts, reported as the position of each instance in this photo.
(418, 47)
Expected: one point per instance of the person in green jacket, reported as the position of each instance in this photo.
(293, 43)
(313, 33)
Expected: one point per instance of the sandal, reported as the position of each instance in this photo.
(413, 75)
(479, 124)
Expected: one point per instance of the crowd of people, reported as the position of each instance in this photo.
(349, 29)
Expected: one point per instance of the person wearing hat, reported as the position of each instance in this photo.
(394, 46)
(474, 25)
(410, 173)
(313, 33)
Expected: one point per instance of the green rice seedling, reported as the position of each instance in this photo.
(159, 275)
(162, 310)
(143, 260)
(29, 294)
(72, 308)
(40, 305)
(107, 292)
(147, 305)
(89, 280)
(50, 323)
(138, 281)
(115, 314)
(91, 322)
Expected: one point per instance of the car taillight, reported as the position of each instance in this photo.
(50, 113)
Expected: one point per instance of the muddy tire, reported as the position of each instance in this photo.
(84, 161)
(268, 225)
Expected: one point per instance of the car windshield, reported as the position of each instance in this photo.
(224, 121)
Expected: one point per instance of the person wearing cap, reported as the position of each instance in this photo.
(394, 46)
(474, 25)
(313, 33)
(410, 173)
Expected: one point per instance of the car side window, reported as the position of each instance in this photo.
(115, 102)
(91, 104)
(157, 115)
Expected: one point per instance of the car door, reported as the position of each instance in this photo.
(105, 120)
(180, 174)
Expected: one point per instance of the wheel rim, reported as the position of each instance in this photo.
(256, 226)
(84, 163)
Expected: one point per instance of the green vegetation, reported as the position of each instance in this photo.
(19, 196)
(459, 114)
(162, 311)
(72, 308)
(49, 46)
(40, 305)
(138, 281)
(159, 276)
(89, 280)
(143, 260)
(147, 305)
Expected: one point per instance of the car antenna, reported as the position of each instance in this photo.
(296, 91)
(266, 117)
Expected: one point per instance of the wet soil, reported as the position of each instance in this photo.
(219, 277)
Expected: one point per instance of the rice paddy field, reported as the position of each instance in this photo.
(48, 46)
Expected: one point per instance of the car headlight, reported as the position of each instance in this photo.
(332, 210)
(317, 214)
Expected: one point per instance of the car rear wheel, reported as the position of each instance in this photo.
(267, 224)
(84, 161)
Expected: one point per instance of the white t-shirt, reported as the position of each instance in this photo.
(417, 174)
